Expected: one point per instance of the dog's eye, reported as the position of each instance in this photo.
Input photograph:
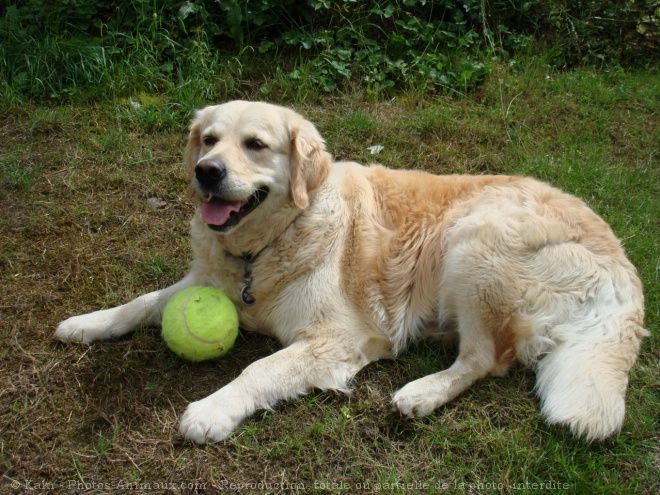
(209, 140)
(255, 144)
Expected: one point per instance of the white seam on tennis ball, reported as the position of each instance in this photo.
(185, 324)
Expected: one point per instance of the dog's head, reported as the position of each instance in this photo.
(246, 160)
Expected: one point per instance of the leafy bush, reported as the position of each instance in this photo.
(608, 32)
(70, 47)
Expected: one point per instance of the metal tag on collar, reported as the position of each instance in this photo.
(247, 298)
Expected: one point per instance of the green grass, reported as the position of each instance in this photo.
(77, 235)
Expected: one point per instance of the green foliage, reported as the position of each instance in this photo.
(604, 32)
(384, 44)
(69, 48)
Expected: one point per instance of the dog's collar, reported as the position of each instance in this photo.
(248, 259)
(246, 296)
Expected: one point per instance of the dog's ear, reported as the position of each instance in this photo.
(310, 163)
(191, 153)
(193, 146)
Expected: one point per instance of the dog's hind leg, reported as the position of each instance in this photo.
(476, 359)
(483, 299)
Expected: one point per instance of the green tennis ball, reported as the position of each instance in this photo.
(200, 323)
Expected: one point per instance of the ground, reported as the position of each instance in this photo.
(78, 233)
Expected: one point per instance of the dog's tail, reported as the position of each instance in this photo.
(587, 332)
(582, 382)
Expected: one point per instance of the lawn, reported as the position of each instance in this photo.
(77, 233)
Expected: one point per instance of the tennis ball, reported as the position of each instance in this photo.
(200, 323)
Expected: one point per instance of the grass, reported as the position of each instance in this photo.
(78, 234)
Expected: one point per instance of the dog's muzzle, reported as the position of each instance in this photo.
(218, 212)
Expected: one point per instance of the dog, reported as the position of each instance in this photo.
(346, 264)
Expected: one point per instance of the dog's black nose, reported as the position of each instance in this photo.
(210, 172)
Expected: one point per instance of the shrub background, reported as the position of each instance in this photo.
(69, 47)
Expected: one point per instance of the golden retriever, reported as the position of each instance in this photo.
(347, 264)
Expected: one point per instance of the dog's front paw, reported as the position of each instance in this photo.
(84, 328)
(99, 325)
(210, 420)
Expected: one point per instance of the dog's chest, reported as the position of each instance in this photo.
(294, 279)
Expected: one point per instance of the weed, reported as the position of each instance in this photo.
(15, 173)
(105, 442)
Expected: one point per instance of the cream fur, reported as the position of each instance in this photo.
(353, 263)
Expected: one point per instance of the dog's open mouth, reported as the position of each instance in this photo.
(221, 215)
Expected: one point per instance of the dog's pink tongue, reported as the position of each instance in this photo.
(217, 212)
